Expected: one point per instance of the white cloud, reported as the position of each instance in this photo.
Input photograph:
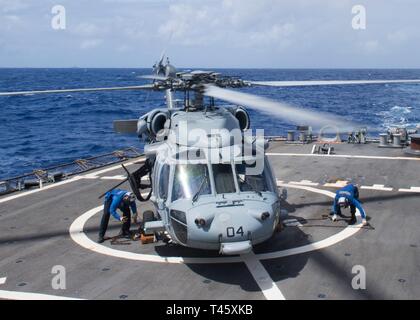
(246, 14)
(90, 43)
(309, 33)
(10, 22)
(7, 6)
(12, 18)
(230, 22)
(187, 24)
(135, 31)
(397, 37)
(371, 46)
(85, 29)
(123, 48)
(276, 35)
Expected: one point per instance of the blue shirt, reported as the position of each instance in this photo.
(117, 198)
(348, 192)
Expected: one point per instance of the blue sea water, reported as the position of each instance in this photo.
(43, 130)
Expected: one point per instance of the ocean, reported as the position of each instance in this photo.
(38, 131)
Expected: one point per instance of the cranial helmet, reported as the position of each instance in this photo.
(343, 202)
(132, 197)
(129, 197)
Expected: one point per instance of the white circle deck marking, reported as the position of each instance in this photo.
(78, 236)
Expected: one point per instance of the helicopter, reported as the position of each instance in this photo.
(209, 179)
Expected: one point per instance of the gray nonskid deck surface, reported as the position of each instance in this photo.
(34, 237)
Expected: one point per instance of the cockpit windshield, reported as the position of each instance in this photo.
(223, 178)
(190, 179)
(252, 182)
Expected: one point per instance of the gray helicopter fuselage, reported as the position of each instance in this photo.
(201, 189)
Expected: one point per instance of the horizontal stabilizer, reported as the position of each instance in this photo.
(126, 126)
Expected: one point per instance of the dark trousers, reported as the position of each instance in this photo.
(125, 229)
(352, 210)
(352, 207)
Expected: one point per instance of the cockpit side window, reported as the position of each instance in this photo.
(164, 181)
(252, 182)
(271, 179)
(189, 180)
(223, 178)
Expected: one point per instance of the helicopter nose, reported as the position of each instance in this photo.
(243, 225)
(224, 217)
(239, 231)
(233, 227)
(232, 248)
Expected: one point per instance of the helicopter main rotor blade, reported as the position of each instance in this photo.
(20, 93)
(326, 82)
(281, 110)
(154, 77)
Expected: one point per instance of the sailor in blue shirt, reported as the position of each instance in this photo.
(118, 199)
(345, 197)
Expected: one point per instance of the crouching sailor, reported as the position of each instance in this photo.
(345, 197)
(118, 199)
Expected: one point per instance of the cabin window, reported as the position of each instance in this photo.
(190, 179)
(223, 178)
(252, 182)
(164, 181)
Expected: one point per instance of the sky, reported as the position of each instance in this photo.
(210, 33)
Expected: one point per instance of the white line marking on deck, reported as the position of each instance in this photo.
(119, 177)
(27, 193)
(292, 223)
(305, 183)
(96, 173)
(16, 295)
(73, 179)
(78, 236)
(340, 156)
(337, 184)
(380, 187)
(263, 279)
(412, 189)
(268, 287)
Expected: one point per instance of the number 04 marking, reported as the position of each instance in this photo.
(230, 232)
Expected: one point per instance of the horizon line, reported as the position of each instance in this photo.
(237, 68)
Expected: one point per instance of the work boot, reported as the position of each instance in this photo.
(124, 235)
(167, 239)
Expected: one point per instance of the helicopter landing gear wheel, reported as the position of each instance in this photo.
(148, 216)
